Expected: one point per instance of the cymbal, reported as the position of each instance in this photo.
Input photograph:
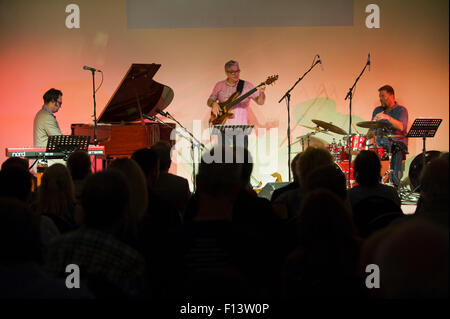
(314, 128)
(330, 127)
(373, 124)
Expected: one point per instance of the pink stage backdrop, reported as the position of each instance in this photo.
(409, 51)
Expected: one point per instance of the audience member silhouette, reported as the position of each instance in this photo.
(56, 197)
(325, 261)
(160, 217)
(16, 182)
(79, 165)
(138, 196)
(433, 203)
(291, 186)
(160, 213)
(309, 160)
(109, 267)
(21, 275)
(211, 255)
(374, 205)
(331, 178)
(412, 258)
(168, 186)
(367, 170)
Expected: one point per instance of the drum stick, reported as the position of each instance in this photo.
(355, 128)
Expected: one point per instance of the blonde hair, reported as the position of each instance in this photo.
(137, 183)
(56, 193)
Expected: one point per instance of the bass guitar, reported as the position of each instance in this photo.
(225, 107)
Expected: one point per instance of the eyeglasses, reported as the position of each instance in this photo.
(234, 72)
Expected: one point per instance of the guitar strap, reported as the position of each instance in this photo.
(240, 86)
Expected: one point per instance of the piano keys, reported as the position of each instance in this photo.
(41, 153)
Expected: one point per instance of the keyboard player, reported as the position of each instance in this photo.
(45, 123)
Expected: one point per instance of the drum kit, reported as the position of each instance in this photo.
(357, 142)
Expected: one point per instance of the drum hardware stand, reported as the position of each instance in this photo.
(350, 96)
(390, 171)
(308, 135)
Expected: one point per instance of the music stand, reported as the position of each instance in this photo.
(232, 130)
(67, 144)
(424, 127)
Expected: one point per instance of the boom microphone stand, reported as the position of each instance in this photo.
(193, 139)
(194, 142)
(350, 95)
(287, 96)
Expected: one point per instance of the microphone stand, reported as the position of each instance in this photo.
(287, 95)
(350, 96)
(95, 116)
(189, 139)
(197, 144)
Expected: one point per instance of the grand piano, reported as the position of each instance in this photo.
(121, 126)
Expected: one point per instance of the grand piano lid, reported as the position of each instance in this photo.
(137, 87)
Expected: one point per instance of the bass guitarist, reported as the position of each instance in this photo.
(224, 89)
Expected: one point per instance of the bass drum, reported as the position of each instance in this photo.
(415, 169)
(343, 166)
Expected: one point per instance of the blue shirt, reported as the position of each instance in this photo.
(399, 113)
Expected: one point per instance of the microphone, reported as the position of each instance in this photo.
(320, 61)
(161, 112)
(91, 69)
(368, 61)
(148, 117)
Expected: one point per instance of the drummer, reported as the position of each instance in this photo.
(396, 116)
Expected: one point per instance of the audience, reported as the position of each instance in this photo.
(135, 230)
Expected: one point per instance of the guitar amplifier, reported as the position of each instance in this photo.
(269, 188)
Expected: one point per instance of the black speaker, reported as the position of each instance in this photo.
(267, 190)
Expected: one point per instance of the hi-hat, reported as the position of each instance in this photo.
(373, 124)
(330, 127)
(312, 141)
(391, 136)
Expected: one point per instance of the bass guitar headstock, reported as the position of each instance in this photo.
(271, 79)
